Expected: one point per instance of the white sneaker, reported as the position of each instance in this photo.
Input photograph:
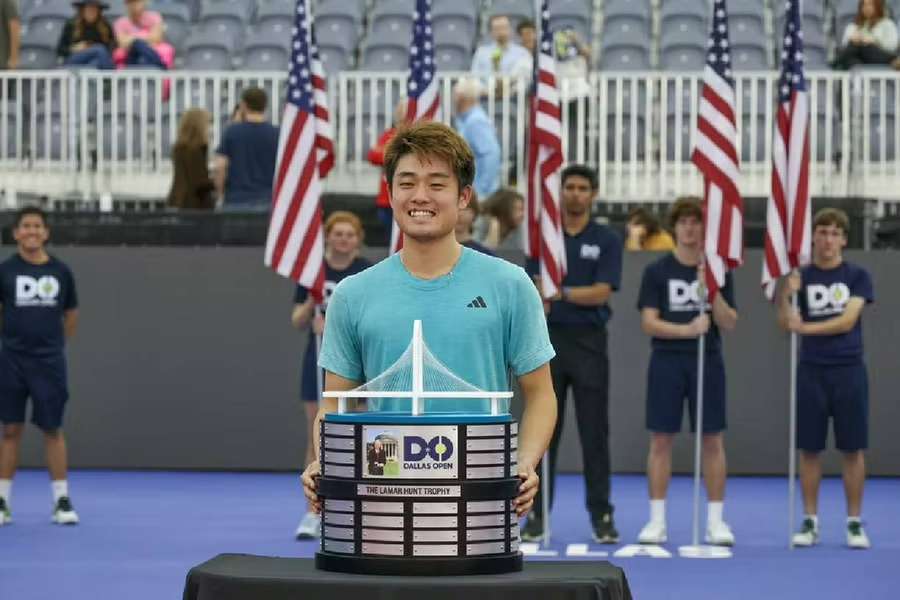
(719, 534)
(808, 535)
(64, 513)
(856, 536)
(654, 532)
(310, 527)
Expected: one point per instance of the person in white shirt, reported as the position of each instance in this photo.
(501, 57)
(870, 39)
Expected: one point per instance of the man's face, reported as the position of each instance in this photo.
(377, 445)
(828, 242)
(343, 238)
(689, 231)
(577, 195)
(31, 233)
(426, 198)
(501, 30)
(527, 36)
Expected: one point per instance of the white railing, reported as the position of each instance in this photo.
(87, 134)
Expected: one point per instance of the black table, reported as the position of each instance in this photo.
(247, 577)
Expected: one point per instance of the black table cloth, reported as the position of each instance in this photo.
(247, 577)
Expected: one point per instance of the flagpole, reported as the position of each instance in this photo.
(792, 435)
(698, 437)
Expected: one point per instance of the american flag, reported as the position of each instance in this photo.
(716, 157)
(544, 239)
(422, 88)
(788, 243)
(295, 243)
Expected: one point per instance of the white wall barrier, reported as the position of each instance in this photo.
(79, 135)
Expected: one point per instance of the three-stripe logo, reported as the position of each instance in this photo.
(477, 303)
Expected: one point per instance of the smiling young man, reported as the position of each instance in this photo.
(481, 316)
(831, 375)
(39, 313)
(673, 313)
(577, 321)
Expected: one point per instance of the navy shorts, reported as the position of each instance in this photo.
(672, 382)
(837, 391)
(309, 386)
(41, 378)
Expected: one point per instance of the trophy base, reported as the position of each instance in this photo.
(423, 567)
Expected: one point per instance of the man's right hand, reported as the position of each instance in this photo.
(311, 486)
(699, 326)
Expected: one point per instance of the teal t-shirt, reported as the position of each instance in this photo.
(481, 320)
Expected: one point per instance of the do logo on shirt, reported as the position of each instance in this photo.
(36, 292)
(827, 299)
(684, 296)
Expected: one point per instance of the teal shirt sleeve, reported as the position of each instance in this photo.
(341, 351)
(529, 341)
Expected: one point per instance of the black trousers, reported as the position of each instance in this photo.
(582, 365)
(857, 54)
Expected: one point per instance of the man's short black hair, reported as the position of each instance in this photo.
(525, 24)
(255, 99)
(580, 171)
(30, 210)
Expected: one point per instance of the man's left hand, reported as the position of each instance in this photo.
(527, 490)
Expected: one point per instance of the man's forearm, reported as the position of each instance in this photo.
(538, 417)
(588, 295)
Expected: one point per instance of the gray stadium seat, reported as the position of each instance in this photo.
(815, 49)
(277, 8)
(454, 21)
(452, 57)
(207, 51)
(682, 50)
(685, 16)
(38, 48)
(393, 17)
(265, 56)
(335, 59)
(516, 10)
(627, 17)
(339, 18)
(47, 10)
(379, 55)
(242, 8)
(225, 18)
(273, 28)
(751, 13)
(177, 18)
(622, 50)
(748, 46)
(812, 13)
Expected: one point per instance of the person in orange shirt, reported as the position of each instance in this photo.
(645, 233)
(376, 157)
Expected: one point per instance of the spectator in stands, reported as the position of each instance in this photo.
(376, 157)
(645, 233)
(10, 34)
(191, 186)
(140, 37)
(464, 223)
(245, 159)
(88, 38)
(870, 39)
(502, 55)
(499, 227)
(476, 128)
(528, 37)
(572, 61)
(343, 237)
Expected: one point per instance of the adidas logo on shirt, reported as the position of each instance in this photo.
(477, 303)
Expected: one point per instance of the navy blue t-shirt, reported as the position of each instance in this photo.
(35, 298)
(251, 149)
(332, 278)
(824, 295)
(671, 287)
(592, 256)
